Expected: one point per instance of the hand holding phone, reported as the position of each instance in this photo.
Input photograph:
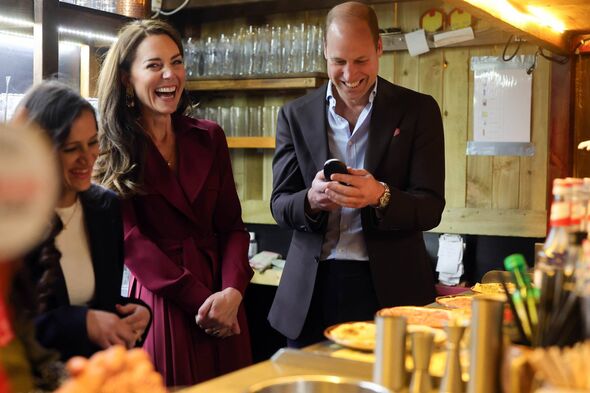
(332, 166)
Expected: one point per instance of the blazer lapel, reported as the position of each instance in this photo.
(159, 178)
(387, 113)
(312, 118)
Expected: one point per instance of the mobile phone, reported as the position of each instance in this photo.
(332, 166)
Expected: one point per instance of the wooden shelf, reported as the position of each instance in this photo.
(83, 18)
(296, 82)
(251, 142)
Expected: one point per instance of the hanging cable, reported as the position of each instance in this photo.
(553, 58)
(518, 42)
(534, 65)
(174, 11)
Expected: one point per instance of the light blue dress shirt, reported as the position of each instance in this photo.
(344, 235)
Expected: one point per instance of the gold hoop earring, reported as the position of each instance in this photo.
(129, 97)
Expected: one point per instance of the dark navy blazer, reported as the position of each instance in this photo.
(63, 326)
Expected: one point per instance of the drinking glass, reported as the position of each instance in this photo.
(255, 120)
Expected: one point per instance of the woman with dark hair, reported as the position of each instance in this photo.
(78, 269)
(185, 242)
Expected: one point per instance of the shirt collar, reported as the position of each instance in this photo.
(332, 100)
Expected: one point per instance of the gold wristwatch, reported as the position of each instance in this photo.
(384, 199)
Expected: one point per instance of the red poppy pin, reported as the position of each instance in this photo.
(396, 132)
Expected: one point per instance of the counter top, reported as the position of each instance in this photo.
(325, 358)
(313, 360)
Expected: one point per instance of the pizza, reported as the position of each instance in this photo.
(492, 288)
(357, 335)
(433, 317)
(455, 301)
(362, 335)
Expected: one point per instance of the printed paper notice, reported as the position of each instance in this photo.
(501, 104)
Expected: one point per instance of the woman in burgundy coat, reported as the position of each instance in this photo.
(185, 242)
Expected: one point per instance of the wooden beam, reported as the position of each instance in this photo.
(560, 126)
(256, 10)
(581, 115)
(45, 57)
(535, 33)
(497, 222)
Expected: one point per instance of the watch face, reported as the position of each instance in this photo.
(29, 188)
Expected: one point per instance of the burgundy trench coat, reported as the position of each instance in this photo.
(184, 240)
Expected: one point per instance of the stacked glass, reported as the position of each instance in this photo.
(256, 51)
(241, 120)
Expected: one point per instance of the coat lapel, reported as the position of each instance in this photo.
(386, 116)
(160, 179)
(312, 115)
(97, 226)
(196, 154)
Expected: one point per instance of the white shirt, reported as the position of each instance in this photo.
(75, 261)
(344, 237)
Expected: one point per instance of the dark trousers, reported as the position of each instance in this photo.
(343, 292)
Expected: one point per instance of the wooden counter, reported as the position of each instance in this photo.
(324, 358)
(313, 360)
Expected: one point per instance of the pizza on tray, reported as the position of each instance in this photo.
(362, 335)
(433, 317)
(455, 301)
(357, 335)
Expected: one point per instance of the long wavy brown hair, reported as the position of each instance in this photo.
(122, 140)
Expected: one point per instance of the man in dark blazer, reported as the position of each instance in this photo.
(357, 244)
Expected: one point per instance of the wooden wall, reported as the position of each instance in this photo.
(581, 114)
(485, 195)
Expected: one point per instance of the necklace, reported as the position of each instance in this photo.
(67, 222)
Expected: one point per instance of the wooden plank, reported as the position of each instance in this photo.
(479, 168)
(253, 175)
(405, 70)
(533, 170)
(405, 67)
(256, 84)
(582, 115)
(560, 137)
(238, 169)
(385, 15)
(257, 212)
(500, 222)
(430, 80)
(455, 120)
(535, 32)
(505, 182)
(251, 142)
(267, 174)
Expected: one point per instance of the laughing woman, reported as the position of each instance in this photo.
(78, 269)
(185, 242)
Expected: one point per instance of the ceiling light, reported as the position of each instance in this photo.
(87, 34)
(16, 21)
(546, 18)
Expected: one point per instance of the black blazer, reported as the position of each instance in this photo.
(406, 151)
(63, 327)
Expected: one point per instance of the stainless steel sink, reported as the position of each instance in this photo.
(316, 384)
